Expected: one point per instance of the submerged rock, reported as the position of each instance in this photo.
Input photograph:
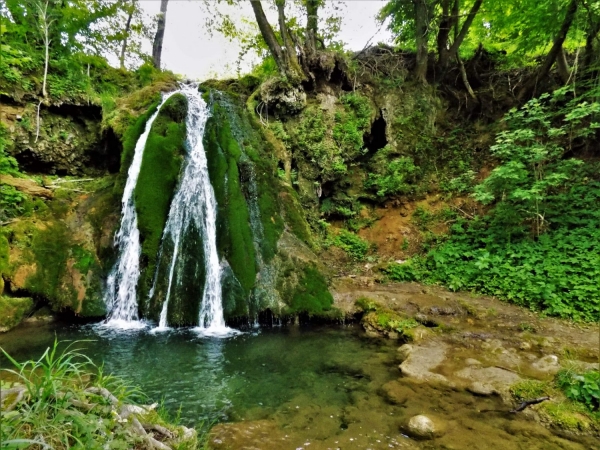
(422, 427)
(488, 380)
(421, 359)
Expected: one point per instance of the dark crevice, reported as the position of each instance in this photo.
(107, 155)
(376, 139)
(78, 113)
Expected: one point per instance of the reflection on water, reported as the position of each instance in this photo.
(215, 379)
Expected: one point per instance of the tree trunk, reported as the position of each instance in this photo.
(589, 55)
(446, 23)
(269, 36)
(465, 27)
(289, 50)
(421, 35)
(312, 23)
(544, 69)
(160, 34)
(562, 66)
(126, 37)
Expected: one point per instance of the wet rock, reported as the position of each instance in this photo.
(27, 186)
(491, 379)
(422, 359)
(472, 362)
(396, 393)
(483, 389)
(422, 427)
(525, 345)
(547, 364)
(404, 352)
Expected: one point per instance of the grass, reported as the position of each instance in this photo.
(63, 400)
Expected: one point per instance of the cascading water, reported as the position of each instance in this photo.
(194, 210)
(120, 296)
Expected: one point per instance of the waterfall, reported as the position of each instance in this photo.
(120, 296)
(194, 210)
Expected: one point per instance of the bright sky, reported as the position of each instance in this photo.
(189, 51)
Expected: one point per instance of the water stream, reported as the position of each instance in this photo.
(192, 215)
(195, 204)
(120, 296)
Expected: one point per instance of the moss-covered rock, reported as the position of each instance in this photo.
(386, 322)
(53, 255)
(159, 173)
(12, 311)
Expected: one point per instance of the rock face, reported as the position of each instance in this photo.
(422, 427)
(59, 255)
(70, 140)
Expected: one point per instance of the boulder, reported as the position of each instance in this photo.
(423, 427)
(487, 380)
(422, 359)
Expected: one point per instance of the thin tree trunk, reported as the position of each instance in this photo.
(268, 35)
(421, 35)
(562, 66)
(126, 36)
(446, 24)
(46, 58)
(288, 46)
(312, 23)
(463, 74)
(544, 69)
(465, 27)
(589, 54)
(160, 34)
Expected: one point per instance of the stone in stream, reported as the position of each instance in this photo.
(423, 427)
(488, 380)
(421, 359)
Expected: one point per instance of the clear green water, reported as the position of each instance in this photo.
(314, 388)
(215, 379)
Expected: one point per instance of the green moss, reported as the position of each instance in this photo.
(234, 234)
(12, 311)
(4, 261)
(159, 173)
(130, 138)
(312, 294)
(50, 248)
(528, 389)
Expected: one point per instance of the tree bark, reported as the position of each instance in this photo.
(465, 28)
(421, 36)
(160, 34)
(544, 69)
(588, 57)
(562, 66)
(269, 36)
(312, 23)
(289, 50)
(444, 32)
(126, 37)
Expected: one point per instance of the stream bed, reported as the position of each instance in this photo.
(291, 387)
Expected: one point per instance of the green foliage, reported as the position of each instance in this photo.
(159, 173)
(398, 177)
(330, 141)
(538, 246)
(354, 245)
(312, 294)
(533, 168)
(581, 387)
